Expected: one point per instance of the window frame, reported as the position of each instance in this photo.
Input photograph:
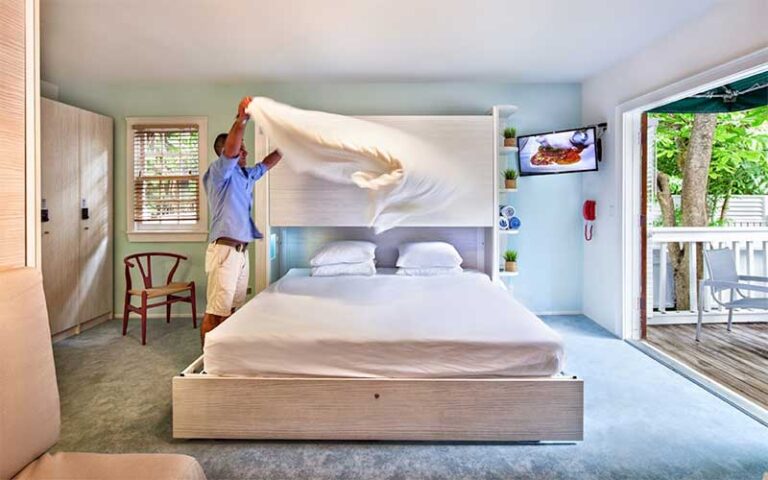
(138, 232)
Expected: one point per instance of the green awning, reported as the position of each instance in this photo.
(743, 94)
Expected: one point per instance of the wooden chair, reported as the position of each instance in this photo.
(172, 291)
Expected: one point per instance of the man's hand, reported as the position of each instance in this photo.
(235, 135)
(241, 115)
(272, 159)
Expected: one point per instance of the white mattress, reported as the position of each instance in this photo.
(458, 326)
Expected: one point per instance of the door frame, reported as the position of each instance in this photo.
(32, 131)
(629, 122)
(643, 207)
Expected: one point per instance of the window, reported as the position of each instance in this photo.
(166, 157)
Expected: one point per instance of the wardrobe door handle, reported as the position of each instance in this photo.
(86, 228)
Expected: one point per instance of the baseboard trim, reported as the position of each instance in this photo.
(160, 314)
(724, 393)
(559, 312)
(78, 329)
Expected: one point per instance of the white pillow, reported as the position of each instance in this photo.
(349, 251)
(363, 268)
(429, 271)
(428, 254)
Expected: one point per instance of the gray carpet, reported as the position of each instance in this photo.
(642, 421)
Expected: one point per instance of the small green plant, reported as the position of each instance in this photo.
(510, 132)
(510, 256)
(510, 174)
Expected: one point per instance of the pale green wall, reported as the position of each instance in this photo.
(550, 244)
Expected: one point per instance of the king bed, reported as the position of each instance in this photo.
(384, 326)
(387, 356)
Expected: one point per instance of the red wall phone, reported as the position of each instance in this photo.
(589, 216)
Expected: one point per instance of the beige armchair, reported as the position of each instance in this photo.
(29, 401)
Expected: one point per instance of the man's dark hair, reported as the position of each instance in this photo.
(218, 144)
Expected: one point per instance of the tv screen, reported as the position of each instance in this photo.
(567, 151)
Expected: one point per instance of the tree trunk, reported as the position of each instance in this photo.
(695, 171)
(694, 201)
(724, 208)
(676, 255)
(664, 196)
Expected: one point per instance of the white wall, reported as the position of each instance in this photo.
(729, 30)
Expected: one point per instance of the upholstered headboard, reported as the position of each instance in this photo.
(299, 243)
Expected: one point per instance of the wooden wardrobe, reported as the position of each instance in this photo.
(76, 184)
(13, 248)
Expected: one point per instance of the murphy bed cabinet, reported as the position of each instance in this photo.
(76, 185)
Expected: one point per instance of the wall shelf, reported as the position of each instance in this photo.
(504, 157)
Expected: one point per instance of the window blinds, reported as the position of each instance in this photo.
(166, 172)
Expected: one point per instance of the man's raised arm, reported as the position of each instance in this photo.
(236, 133)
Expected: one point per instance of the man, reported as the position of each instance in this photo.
(229, 185)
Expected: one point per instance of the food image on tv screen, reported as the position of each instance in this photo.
(560, 152)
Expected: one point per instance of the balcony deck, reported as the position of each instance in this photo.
(736, 359)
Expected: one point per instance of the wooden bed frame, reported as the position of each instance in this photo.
(499, 409)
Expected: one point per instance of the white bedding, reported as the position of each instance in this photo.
(408, 177)
(455, 326)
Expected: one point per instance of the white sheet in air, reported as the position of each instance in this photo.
(406, 175)
(387, 325)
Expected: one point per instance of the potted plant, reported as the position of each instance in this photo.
(510, 178)
(510, 261)
(509, 137)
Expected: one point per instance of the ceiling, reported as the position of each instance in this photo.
(119, 41)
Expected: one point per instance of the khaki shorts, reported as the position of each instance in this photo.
(227, 271)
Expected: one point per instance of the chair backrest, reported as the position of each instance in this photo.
(144, 262)
(721, 265)
(29, 397)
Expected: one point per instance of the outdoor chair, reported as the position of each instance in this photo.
(721, 267)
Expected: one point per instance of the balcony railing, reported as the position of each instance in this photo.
(750, 246)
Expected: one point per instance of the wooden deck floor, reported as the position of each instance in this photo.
(736, 359)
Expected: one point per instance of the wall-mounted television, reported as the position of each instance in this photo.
(566, 151)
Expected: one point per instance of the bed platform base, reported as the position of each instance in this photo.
(509, 409)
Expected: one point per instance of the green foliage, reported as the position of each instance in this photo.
(510, 256)
(164, 154)
(510, 174)
(510, 132)
(739, 154)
